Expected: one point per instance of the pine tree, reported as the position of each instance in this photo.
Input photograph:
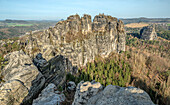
(93, 66)
(107, 82)
(91, 75)
(110, 74)
(113, 82)
(88, 68)
(100, 74)
(101, 81)
(96, 78)
(105, 73)
(108, 67)
(113, 76)
(111, 71)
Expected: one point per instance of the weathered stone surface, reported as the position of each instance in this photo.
(71, 86)
(86, 90)
(55, 69)
(92, 94)
(80, 39)
(40, 62)
(13, 93)
(114, 95)
(148, 33)
(20, 70)
(49, 96)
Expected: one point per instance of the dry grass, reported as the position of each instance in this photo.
(159, 38)
(136, 25)
(5, 30)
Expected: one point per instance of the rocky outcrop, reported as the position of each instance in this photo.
(92, 94)
(23, 81)
(71, 86)
(55, 69)
(86, 90)
(40, 62)
(49, 96)
(80, 39)
(148, 33)
(22, 76)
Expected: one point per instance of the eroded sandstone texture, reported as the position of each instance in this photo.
(92, 93)
(80, 39)
(23, 81)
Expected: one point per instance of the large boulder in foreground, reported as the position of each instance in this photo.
(49, 96)
(86, 90)
(23, 81)
(91, 94)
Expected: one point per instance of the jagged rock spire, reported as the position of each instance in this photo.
(148, 33)
(80, 39)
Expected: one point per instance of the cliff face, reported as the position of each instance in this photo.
(148, 33)
(80, 39)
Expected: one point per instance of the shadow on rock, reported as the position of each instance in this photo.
(24, 82)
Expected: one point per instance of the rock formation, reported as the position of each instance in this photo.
(59, 50)
(55, 69)
(148, 33)
(92, 94)
(80, 39)
(86, 90)
(22, 76)
(71, 86)
(49, 96)
(23, 81)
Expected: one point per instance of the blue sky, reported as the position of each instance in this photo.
(58, 9)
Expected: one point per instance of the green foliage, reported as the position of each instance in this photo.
(70, 77)
(60, 88)
(164, 34)
(107, 72)
(15, 28)
(155, 46)
(17, 24)
(76, 79)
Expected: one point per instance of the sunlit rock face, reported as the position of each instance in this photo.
(86, 90)
(22, 79)
(148, 33)
(80, 39)
(92, 93)
(49, 96)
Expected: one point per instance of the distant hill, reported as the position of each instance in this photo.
(13, 28)
(15, 21)
(146, 20)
